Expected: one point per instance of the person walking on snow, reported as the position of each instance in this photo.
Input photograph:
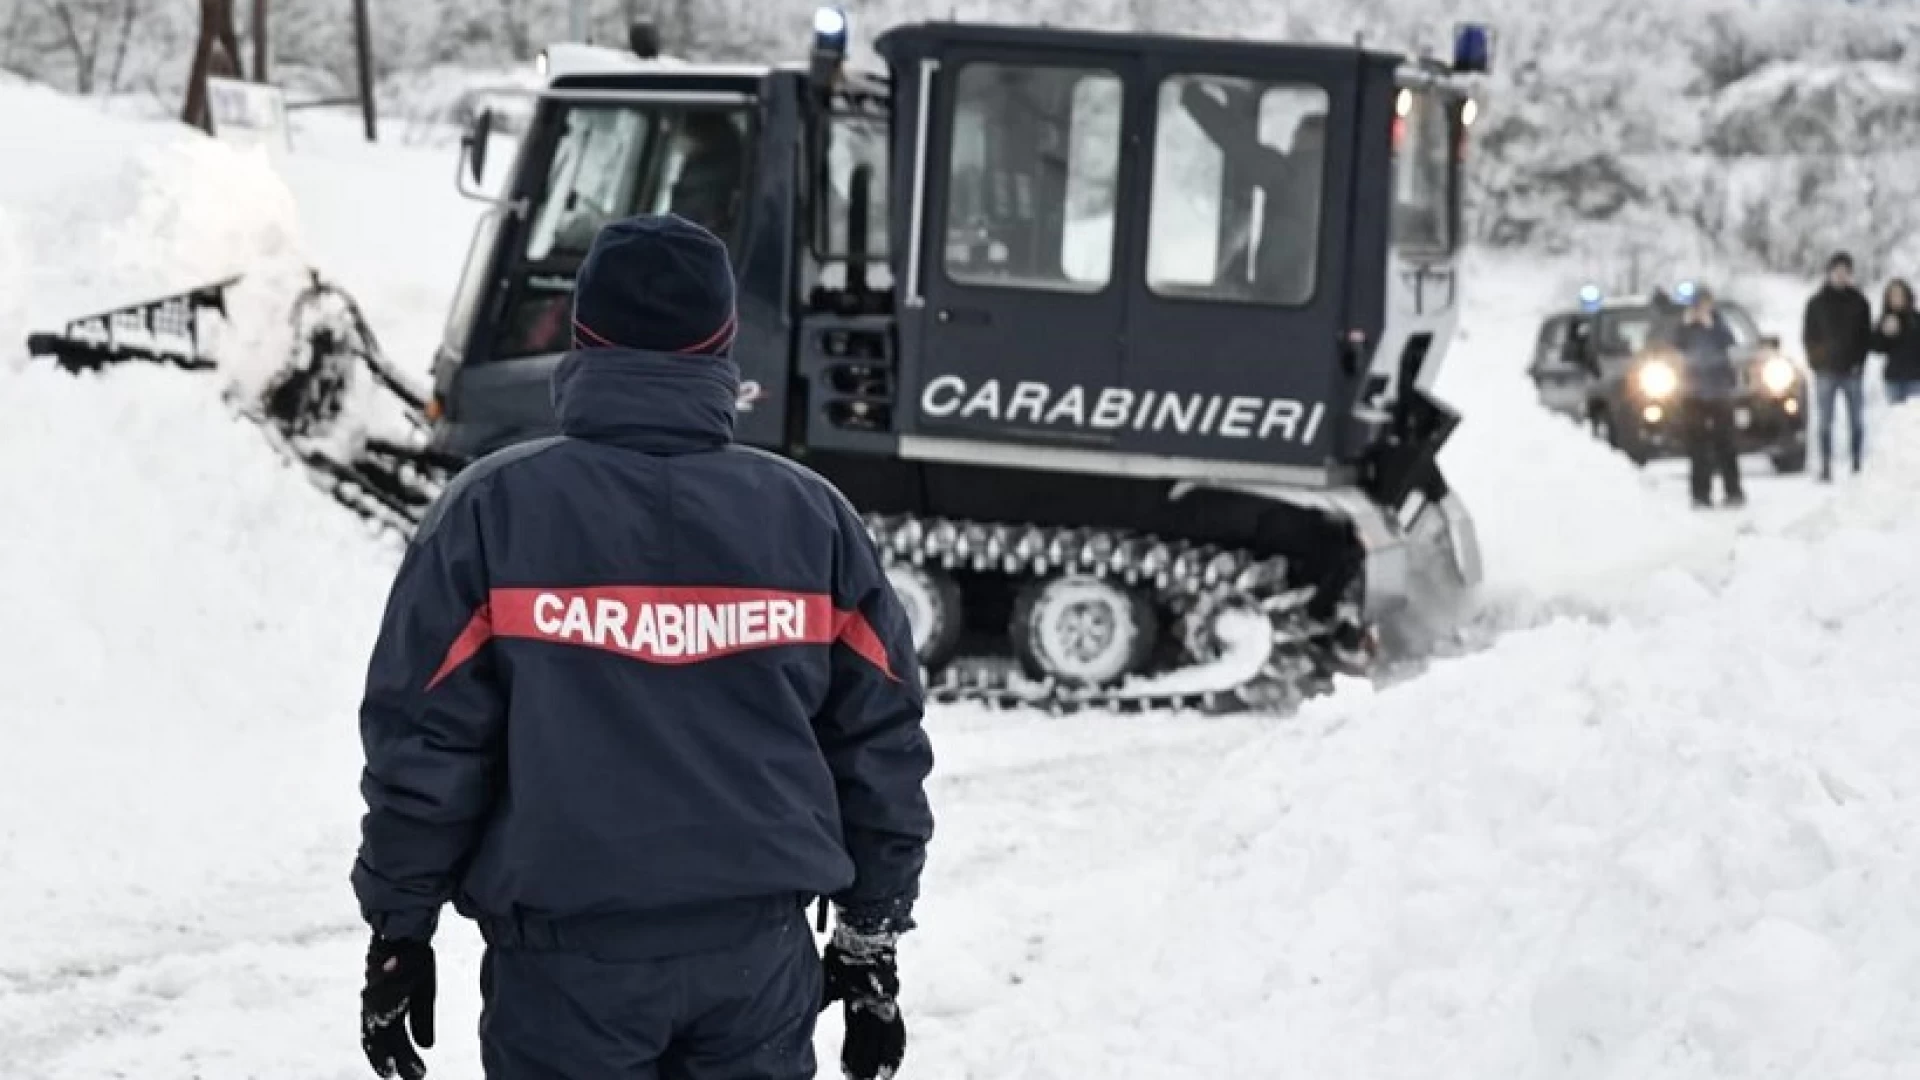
(1837, 333)
(1897, 336)
(1705, 342)
(639, 697)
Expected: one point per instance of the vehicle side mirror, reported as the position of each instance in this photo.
(473, 143)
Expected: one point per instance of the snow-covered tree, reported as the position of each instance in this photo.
(1762, 130)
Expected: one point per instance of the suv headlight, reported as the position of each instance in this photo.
(1657, 379)
(1777, 374)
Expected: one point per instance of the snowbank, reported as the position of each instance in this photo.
(187, 621)
(187, 617)
(116, 211)
(119, 209)
(386, 223)
(1674, 844)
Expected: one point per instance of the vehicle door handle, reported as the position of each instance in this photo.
(965, 316)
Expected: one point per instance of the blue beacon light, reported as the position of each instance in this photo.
(829, 46)
(830, 27)
(1472, 48)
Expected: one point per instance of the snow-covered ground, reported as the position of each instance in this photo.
(1659, 826)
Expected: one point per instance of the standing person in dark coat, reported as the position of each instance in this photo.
(1897, 336)
(639, 697)
(1705, 343)
(1838, 333)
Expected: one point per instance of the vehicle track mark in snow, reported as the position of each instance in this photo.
(44, 1016)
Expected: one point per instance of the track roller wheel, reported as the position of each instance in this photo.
(932, 602)
(1082, 630)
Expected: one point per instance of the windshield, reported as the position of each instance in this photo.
(858, 141)
(614, 161)
(609, 162)
(1739, 323)
(1626, 331)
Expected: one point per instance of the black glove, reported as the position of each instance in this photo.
(860, 971)
(399, 993)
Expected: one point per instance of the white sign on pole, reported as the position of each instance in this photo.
(250, 114)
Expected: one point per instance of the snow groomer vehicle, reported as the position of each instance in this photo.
(1124, 345)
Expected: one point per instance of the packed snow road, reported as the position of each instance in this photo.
(1657, 823)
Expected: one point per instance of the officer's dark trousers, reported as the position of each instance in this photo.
(1711, 447)
(743, 1012)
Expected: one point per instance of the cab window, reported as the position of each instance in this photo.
(614, 161)
(857, 141)
(611, 162)
(1031, 177)
(1238, 169)
(1423, 173)
(1551, 348)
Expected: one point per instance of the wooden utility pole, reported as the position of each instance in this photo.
(261, 52)
(363, 45)
(216, 54)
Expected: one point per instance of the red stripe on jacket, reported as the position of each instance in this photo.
(478, 631)
(671, 625)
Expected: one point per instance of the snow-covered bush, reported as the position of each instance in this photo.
(1811, 107)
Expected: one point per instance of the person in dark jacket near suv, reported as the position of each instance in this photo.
(639, 697)
(1838, 333)
(1897, 336)
(1705, 344)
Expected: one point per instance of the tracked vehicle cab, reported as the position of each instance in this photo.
(1177, 256)
(1107, 334)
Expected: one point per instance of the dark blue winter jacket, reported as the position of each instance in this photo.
(1707, 351)
(639, 689)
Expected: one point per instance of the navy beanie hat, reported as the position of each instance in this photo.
(657, 283)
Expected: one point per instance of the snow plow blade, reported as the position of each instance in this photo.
(165, 330)
(319, 409)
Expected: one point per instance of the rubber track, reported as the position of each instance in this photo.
(1195, 583)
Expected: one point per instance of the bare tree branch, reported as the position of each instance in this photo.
(513, 21)
(12, 35)
(93, 44)
(129, 11)
(82, 59)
